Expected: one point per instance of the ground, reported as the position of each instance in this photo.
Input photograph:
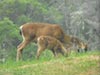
(76, 64)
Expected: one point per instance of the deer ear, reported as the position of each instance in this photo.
(40, 38)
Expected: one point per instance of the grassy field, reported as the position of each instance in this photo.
(76, 64)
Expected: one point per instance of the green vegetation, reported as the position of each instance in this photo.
(75, 64)
(75, 17)
(14, 13)
(67, 13)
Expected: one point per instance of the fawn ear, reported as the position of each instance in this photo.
(42, 38)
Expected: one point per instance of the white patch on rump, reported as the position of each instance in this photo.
(21, 27)
(22, 32)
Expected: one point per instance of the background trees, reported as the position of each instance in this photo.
(77, 17)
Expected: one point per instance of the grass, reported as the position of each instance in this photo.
(76, 64)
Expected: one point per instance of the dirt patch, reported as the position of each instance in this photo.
(94, 57)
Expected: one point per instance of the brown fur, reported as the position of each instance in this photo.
(51, 43)
(31, 31)
(79, 44)
(69, 41)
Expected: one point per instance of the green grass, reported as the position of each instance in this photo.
(76, 64)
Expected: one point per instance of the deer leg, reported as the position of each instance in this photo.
(39, 51)
(20, 48)
(64, 51)
(85, 49)
(69, 49)
(55, 53)
(19, 45)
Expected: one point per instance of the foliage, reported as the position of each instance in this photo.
(76, 17)
(9, 36)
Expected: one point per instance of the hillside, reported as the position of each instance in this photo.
(76, 64)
